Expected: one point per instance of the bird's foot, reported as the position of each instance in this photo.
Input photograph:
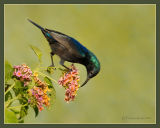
(66, 69)
(51, 69)
(52, 66)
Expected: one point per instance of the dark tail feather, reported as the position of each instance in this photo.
(36, 25)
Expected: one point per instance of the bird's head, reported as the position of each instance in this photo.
(93, 67)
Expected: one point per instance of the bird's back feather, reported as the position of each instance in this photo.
(72, 45)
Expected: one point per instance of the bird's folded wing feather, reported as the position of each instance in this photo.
(70, 43)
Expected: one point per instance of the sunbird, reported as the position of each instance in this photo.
(69, 49)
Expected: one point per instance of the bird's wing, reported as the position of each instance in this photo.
(70, 43)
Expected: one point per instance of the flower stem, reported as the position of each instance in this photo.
(42, 74)
(9, 88)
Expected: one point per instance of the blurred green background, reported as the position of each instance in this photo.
(123, 39)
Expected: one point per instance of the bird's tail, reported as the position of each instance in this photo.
(36, 25)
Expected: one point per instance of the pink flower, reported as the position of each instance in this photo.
(69, 81)
(39, 93)
(23, 73)
(25, 69)
(18, 74)
(16, 67)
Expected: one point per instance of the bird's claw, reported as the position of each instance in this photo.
(51, 69)
(52, 66)
(68, 69)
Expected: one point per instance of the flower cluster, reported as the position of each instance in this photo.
(23, 73)
(38, 94)
(70, 81)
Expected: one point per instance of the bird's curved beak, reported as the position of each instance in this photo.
(85, 81)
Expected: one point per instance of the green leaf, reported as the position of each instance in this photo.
(23, 100)
(18, 88)
(49, 82)
(8, 96)
(23, 111)
(52, 93)
(21, 121)
(18, 84)
(37, 52)
(10, 117)
(36, 110)
(8, 71)
(8, 84)
(15, 110)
